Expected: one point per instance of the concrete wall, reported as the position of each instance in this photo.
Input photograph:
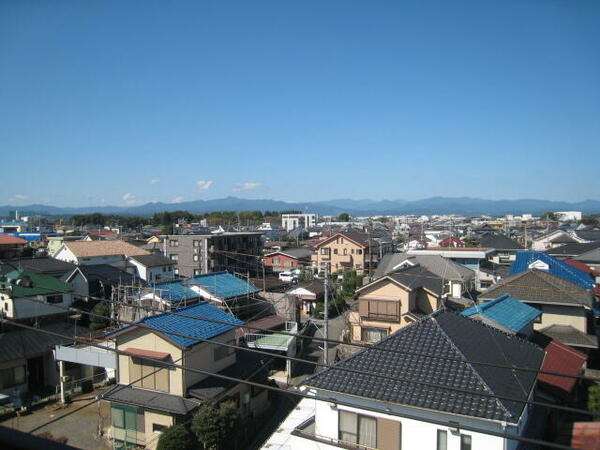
(562, 315)
(151, 418)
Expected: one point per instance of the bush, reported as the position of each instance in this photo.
(176, 437)
(102, 309)
(215, 426)
(593, 401)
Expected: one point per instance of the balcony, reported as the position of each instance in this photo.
(273, 341)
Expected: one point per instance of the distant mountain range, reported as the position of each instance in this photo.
(428, 206)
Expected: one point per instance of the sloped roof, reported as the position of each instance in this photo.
(24, 343)
(573, 249)
(355, 236)
(564, 359)
(7, 239)
(592, 256)
(224, 285)
(436, 264)
(31, 284)
(87, 249)
(153, 260)
(570, 336)
(442, 334)
(537, 286)
(297, 253)
(163, 323)
(499, 242)
(507, 311)
(160, 401)
(108, 273)
(419, 277)
(555, 267)
(175, 291)
(44, 265)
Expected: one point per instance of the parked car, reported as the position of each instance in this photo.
(288, 277)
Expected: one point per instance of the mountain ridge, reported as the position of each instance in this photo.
(361, 207)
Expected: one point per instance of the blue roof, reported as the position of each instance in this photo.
(555, 267)
(506, 311)
(224, 285)
(175, 291)
(187, 325)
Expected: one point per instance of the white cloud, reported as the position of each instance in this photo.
(129, 198)
(203, 185)
(154, 181)
(247, 186)
(177, 199)
(19, 197)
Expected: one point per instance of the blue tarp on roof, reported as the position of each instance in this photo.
(224, 285)
(506, 311)
(187, 325)
(175, 291)
(555, 267)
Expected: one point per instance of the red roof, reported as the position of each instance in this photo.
(586, 435)
(451, 240)
(147, 353)
(564, 359)
(101, 233)
(7, 239)
(581, 266)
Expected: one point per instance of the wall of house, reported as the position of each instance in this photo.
(284, 262)
(21, 387)
(201, 356)
(353, 259)
(415, 434)
(426, 302)
(64, 254)
(147, 340)
(28, 308)
(81, 288)
(151, 418)
(562, 315)
(107, 259)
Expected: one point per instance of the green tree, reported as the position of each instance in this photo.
(549, 216)
(343, 217)
(101, 309)
(593, 401)
(214, 426)
(176, 437)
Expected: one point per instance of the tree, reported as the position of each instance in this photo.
(214, 426)
(550, 216)
(175, 437)
(101, 309)
(343, 217)
(593, 401)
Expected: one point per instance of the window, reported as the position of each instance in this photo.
(276, 261)
(54, 298)
(359, 252)
(325, 251)
(345, 251)
(335, 251)
(148, 374)
(357, 429)
(12, 377)
(220, 351)
(174, 257)
(196, 272)
(158, 428)
(465, 442)
(442, 440)
(196, 243)
(176, 271)
(372, 334)
(173, 243)
(127, 418)
(196, 258)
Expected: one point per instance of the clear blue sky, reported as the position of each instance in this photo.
(124, 102)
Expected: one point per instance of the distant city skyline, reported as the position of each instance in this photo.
(124, 103)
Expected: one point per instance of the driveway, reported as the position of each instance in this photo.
(80, 427)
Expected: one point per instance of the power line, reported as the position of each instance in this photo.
(359, 372)
(450, 424)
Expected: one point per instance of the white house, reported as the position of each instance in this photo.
(410, 401)
(153, 268)
(97, 252)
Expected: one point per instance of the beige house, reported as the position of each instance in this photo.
(393, 301)
(151, 394)
(348, 251)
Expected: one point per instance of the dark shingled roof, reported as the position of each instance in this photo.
(419, 277)
(44, 266)
(574, 249)
(570, 336)
(537, 286)
(499, 242)
(449, 335)
(153, 260)
(109, 273)
(158, 401)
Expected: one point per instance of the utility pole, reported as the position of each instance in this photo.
(325, 318)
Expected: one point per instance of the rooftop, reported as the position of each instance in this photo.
(540, 260)
(7, 239)
(24, 283)
(442, 334)
(224, 285)
(506, 311)
(168, 322)
(85, 249)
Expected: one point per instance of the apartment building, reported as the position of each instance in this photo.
(292, 221)
(197, 254)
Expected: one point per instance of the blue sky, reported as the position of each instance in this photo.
(124, 102)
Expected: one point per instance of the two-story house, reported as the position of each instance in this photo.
(422, 393)
(152, 394)
(348, 250)
(288, 259)
(85, 253)
(153, 268)
(394, 301)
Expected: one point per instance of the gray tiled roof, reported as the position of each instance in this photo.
(44, 266)
(570, 336)
(573, 249)
(436, 264)
(22, 343)
(592, 256)
(157, 401)
(537, 286)
(448, 335)
(499, 242)
(419, 277)
(153, 260)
